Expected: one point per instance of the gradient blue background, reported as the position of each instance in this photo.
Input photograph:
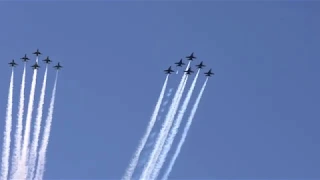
(259, 117)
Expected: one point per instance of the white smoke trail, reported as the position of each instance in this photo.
(23, 168)
(46, 134)
(37, 127)
(134, 161)
(7, 133)
(185, 132)
(174, 130)
(19, 127)
(165, 129)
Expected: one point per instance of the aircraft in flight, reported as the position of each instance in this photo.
(201, 65)
(58, 66)
(47, 60)
(12, 63)
(169, 70)
(209, 73)
(191, 57)
(189, 71)
(35, 66)
(37, 52)
(180, 63)
(25, 58)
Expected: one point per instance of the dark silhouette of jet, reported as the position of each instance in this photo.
(189, 71)
(12, 63)
(37, 53)
(169, 70)
(25, 58)
(209, 73)
(58, 66)
(191, 57)
(201, 65)
(180, 63)
(47, 60)
(35, 66)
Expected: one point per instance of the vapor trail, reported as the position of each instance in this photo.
(36, 131)
(46, 134)
(7, 133)
(19, 127)
(165, 128)
(174, 130)
(23, 168)
(134, 161)
(185, 132)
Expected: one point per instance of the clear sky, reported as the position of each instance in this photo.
(259, 117)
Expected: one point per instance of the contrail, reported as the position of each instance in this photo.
(46, 134)
(185, 132)
(7, 133)
(37, 127)
(165, 128)
(19, 127)
(134, 161)
(174, 130)
(23, 168)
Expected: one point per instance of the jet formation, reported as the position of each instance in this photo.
(189, 71)
(25, 58)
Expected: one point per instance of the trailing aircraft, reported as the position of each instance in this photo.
(189, 71)
(12, 63)
(209, 73)
(47, 60)
(180, 63)
(37, 52)
(169, 70)
(25, 58)
(58, 66)
(191, 57)
(35, 66)
(201, 65)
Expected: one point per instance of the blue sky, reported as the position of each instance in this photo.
(259, 117)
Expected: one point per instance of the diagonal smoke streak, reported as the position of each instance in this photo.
(23, 168)
(7, 133)
(134, 161)
(165, 128)
(174, 130)
(37, 127)
(46, 134)
(185, 132)
(19, 127)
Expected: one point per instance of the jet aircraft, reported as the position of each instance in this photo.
(35, 66)
(191, 57)
(47, 60)
(37, 52)
(58, 66)
(201, 65)
(189, 71)
(25, 58)
(180, 63)
(209, 73)
(169, 70)
(12, 63)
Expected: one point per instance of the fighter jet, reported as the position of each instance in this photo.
(209, 73)
(201, 65)
(47, 60)
(35, 66)
(58, 66)
(12, 63)
(191, 57)
(37, 52)
(189, 71)
(169, 70)
(25, 58)
(180, 63)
